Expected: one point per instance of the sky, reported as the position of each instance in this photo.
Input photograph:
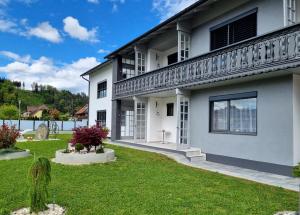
(54, 41)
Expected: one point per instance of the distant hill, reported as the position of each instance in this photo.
(63, 100)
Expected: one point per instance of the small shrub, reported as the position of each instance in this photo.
(89, 137)
(8, 136)
(79, 147)
(297, 171)
(39, 179)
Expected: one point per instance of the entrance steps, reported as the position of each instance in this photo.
(194, 154)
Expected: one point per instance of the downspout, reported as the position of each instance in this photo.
(88, 120)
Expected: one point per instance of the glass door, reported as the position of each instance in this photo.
(140, 62)
(140, 119)
(183, 46)
(183, 122)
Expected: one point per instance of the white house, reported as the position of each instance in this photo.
(220, 76)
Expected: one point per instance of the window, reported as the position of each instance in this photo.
(170, 109)
(290, 12)
(102, 89)
(235, 30)
(101, 118)
(127, 123)
(127, 72)
(234, 113)
(128, 68)
(184, 45)
(172, 58)
(141, 63)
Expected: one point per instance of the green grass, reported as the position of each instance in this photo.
(139, 183)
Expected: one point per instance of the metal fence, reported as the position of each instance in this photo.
(33, 124)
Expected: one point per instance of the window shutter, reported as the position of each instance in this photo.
(235, 31)
(219, 37)
(244, 28)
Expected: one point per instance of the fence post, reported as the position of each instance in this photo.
(19, 125)
(74, 123)
(3, 121)
(33, 125)
(62, 125)
(48, 124)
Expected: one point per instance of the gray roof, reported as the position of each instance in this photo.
(96, 68)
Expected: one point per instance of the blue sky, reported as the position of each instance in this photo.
(54, 41)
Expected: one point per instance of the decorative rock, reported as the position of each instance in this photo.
(53, 209)
(42, 132)
(74, 158)
(15, 155)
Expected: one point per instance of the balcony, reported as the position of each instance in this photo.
(266, 53)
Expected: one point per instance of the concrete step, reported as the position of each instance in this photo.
(196, 158)
(193, 152)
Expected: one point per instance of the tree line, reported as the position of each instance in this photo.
(64, 101)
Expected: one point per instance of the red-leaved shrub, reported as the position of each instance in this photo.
(8, 136)
(89, 137)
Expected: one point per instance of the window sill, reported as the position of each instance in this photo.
(234, 133)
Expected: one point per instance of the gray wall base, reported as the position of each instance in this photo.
(250, 164)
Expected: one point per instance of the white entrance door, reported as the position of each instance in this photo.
(140, 121)
(183, 122)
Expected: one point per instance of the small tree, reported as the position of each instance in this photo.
(54, 114)
(89, 137)
(8, 136)
(9, 112)
(39, 179)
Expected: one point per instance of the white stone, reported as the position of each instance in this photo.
(287, 213)
(75, 158)
(15, 155)
(53, 209)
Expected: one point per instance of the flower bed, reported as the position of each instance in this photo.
(8, 138)
(86, 147)
(74, 158)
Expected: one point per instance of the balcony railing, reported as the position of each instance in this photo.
(270, 52)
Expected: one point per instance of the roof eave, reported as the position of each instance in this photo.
(169, 20)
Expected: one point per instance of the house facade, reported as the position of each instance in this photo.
(218, 76)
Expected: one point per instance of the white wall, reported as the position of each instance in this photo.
(157, 120)
(269, 18)
(96, 104)
(296, 118)
(162, 61)
(274, 140)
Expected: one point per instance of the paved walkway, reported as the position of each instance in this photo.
(261, 177)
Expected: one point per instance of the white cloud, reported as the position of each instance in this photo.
(16, 57)
(45, 31)
(8, 26)
(167, 8)
(93, 1)
(44, 71)
(116, 4)
(103, 51)
(75, 30)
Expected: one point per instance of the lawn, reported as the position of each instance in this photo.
(139, 183)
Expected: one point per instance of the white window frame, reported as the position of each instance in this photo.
(140, 62)
(184, 45)
(290, 10)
